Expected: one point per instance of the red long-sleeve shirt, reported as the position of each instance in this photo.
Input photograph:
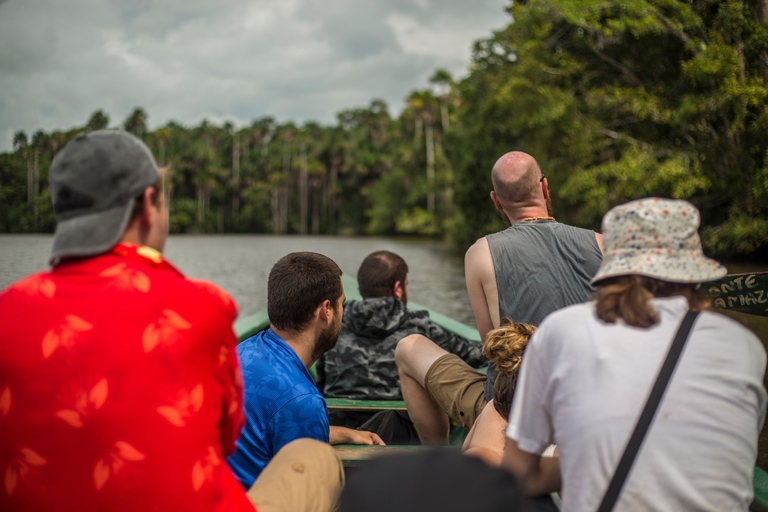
(120, 388)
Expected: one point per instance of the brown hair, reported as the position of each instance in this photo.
(504, 346)
(629, 298)
(379, 272)
(298, 284)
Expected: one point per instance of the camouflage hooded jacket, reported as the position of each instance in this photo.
(362, 365)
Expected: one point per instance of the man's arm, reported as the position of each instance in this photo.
(343, 435)
(481, 286)
(537, 475)
(599, 240)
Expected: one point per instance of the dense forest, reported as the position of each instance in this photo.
(616, 99)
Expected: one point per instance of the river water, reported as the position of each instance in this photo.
(240, 264)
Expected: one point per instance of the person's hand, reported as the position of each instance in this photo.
(343, 435)
(364, 437)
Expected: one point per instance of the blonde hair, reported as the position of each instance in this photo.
(505, 346)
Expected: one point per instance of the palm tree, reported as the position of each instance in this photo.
(136, 123)
(39, 143)
(443, 80)
(421, 103)
(98, 121)
(21, 144)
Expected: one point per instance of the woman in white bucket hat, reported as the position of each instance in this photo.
(587, 378)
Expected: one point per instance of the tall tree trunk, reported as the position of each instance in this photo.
(303, 191)
(284, 209)
(430, 166)
(35, 187)
(29, 182)
(419, 128)
(316, 206)
(283, 192)
(275, 210)
(330, 193)
(444, 115)
(235, 179)
(200, 205)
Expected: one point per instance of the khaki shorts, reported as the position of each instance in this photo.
(456, 388)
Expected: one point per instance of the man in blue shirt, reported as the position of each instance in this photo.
(304, 303)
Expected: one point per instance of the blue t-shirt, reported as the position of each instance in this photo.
(282, 404)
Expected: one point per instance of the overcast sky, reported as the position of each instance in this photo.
(60, 60)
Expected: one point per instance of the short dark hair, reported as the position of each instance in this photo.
(379, 272)
(298, 284)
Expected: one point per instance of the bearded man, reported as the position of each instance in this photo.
(282, 403)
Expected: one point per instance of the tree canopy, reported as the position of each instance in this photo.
(621, 100)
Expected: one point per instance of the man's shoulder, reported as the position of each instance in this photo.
(39, 285)
(478, 253)
(271, 364)
(217, 296)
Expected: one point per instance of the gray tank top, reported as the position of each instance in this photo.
(541, 266)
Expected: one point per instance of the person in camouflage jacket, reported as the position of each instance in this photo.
(362, 365)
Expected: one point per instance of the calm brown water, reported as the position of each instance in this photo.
(240, 264)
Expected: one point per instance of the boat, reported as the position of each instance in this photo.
(746, 293)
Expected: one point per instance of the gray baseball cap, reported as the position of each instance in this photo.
(94, 182)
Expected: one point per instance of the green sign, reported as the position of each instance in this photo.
(746, 293)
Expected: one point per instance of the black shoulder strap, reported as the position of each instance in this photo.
(633, 446)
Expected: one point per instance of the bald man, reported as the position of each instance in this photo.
(534, 267)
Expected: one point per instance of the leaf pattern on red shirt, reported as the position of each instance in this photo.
(203, 469)
(115, 460)
(20, 467)
(128, 279)
(85, 404)
(186, 404)
(37, 284)
(64, 335)
(164, 329)
(5, 401)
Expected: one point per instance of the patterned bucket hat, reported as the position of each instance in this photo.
(657, 238)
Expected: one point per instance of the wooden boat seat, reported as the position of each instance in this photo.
(353, 456)
(345, 404)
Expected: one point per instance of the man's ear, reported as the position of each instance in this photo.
(325, 311)
(148, 209)
(496, 202)
(545, 188)
(397, 291)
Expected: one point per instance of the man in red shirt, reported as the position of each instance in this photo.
(120, 387)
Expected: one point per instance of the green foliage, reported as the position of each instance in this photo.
(366, 175)
(620, 100)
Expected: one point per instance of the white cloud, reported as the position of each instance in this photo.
(234, 59)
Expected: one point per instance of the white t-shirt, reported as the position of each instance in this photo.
(583, 384)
